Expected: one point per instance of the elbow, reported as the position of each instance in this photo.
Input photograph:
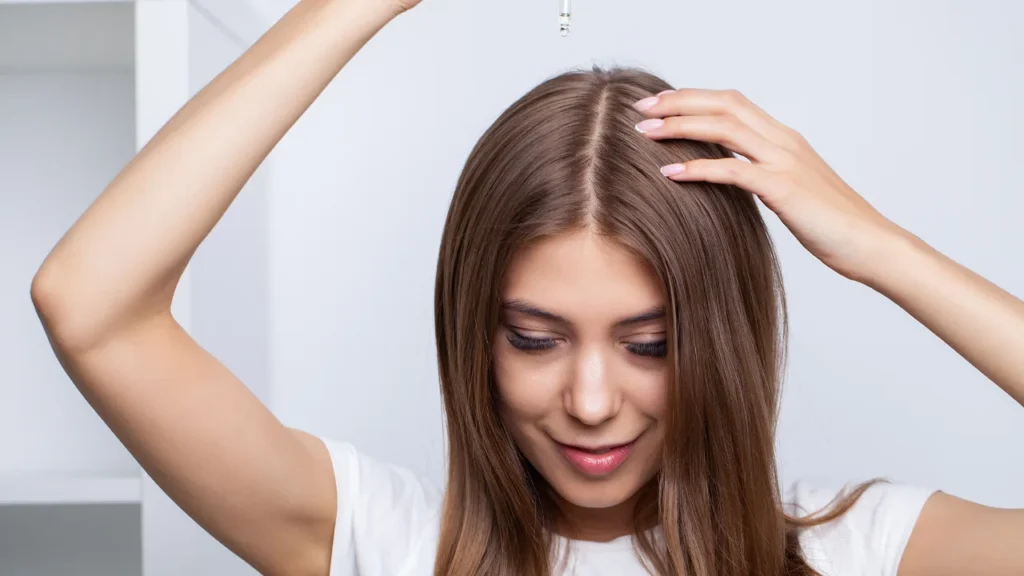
(65, 324)
(46, 295)
(78, 316)
(49, 299)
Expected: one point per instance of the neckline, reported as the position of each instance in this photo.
(620, 543)
(617, 544)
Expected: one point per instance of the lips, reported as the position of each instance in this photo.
(597, 462)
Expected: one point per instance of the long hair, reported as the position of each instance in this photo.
(564, 157)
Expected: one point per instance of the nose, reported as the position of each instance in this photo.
(591, 396)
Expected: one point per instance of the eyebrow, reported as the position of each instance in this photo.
(656, 313)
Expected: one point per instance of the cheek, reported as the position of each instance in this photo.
(529, 387)
(649, 392)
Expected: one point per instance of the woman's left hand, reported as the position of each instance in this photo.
(827, 216)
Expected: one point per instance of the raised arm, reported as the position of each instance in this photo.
(104, 295)
(982, 322)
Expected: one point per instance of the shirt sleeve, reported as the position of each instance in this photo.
(384, 512)
(885, 517)
(871, 537)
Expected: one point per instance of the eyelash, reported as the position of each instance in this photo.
(521, 342)
(648, 349)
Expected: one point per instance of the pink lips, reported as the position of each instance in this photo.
(597, 463)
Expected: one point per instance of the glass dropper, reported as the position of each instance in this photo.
(565, 17)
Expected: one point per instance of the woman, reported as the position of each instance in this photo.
(609, 342)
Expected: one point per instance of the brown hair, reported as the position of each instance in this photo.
(565, 156)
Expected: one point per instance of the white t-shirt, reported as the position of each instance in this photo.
(388, 524)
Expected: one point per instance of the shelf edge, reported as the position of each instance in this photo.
(58, 490)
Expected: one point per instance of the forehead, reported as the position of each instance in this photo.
(582, 274)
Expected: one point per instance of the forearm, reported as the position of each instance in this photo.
(979, 320)
(125, 255)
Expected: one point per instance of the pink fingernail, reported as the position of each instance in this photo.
(650, 124)
(662, 93)
(646, 103)
(673, 169)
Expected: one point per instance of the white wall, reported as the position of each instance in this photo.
(915, 103)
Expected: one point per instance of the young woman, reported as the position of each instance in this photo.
(610, 328)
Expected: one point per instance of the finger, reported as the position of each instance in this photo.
(724, 130)
(730, 171)
(700, 102)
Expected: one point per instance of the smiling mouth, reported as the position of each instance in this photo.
(597, 462)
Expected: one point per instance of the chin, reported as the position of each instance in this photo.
(597, 500)
(597, 494)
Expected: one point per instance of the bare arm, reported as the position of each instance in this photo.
(985, 324)
(104, 295)
(981, 321)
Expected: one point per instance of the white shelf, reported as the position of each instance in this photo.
(30, 489)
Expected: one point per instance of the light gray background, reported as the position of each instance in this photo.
(316, 289)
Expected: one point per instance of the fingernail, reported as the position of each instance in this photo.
(662, 93)
(646, 103)
(650, 124)
(673, 169)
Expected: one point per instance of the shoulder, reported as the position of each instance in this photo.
(387, 516)
(869, 538)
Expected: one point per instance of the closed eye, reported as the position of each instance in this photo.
(529, 344)
(651, 349)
